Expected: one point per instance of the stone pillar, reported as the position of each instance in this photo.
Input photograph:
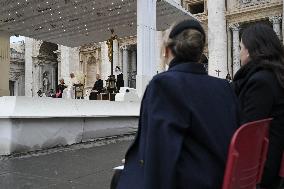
(146, 47)
(134, 61)
(276, 21)
(283, 23)
(53, 78)
(160, 62)
(236, 47)
(133, 67)
(120, 61)
(58, 53)
(69, 62)
(115, 54)
(16, 88)
(36, 82)
(40, 76)
(4, 63)
(29, 67)
(125, 65)
(217, 38)
(106, 65)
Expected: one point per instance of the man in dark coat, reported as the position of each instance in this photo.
(99, 84)
(97, 89)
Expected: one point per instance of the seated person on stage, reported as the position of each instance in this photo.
(97, 89)
(119, 78)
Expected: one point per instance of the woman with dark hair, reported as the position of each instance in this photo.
(186, 121)
(259, 84)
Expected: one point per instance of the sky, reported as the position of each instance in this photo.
(14, 39)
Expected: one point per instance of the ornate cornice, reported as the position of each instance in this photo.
(128, 41)
(254, 13)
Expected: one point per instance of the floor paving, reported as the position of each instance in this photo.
(79, 168)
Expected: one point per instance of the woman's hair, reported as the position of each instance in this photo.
(187, 45)
(265, 49)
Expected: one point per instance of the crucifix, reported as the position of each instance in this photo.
(218, 72)
(111, 79)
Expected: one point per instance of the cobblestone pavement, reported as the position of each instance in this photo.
(84, 166)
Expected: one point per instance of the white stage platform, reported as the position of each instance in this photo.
(28, 124)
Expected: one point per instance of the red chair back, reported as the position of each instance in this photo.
(281, 172)
(247, 154)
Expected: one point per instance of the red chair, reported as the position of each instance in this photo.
(281, 172)
(246, 157)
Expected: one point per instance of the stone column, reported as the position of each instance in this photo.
(36, 82)
(133, 67)
(40, 76)
(283, 23)
(217, 38)
(146, 47)
(53, 77)
(125, 65)
(58, 52)
(160, 62)
(16, 88)
(120, 61)
(276, 21)
(115, 54)
(29, 67)
(134, 61)
(106, 65)
(4, 63)
(236, 47)
(69, 62)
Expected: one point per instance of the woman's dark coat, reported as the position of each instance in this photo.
(186, 124)
(261, 96)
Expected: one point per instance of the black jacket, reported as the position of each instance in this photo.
(186, 123)
(261, 96)
(99, 85)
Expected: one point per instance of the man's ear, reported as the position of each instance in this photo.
(167, 52)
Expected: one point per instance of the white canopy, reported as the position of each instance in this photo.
(76, 22)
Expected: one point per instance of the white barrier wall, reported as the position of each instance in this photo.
(28, 124)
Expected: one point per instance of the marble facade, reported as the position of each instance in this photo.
(227, 22)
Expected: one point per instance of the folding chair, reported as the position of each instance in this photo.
(247, 155)
(281, 172)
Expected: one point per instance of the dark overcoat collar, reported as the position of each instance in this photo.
(190, 67)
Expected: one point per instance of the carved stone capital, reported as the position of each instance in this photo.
(235, 27)
(124, 47)
(275, 19)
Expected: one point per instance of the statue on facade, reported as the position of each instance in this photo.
(45, 82)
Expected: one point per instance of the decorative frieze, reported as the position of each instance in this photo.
(256, 13)
(250, 3)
